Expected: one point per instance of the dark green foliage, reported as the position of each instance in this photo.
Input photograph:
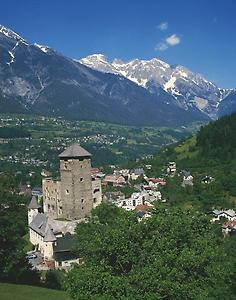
(55, 279)
(218, 139)
(13, 225)
(213, 154)
(175, 254)
(11, 132)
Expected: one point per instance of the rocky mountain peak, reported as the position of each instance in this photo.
(10, 33)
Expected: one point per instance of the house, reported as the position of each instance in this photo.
(140, 198)
(95, 171)
(64, 257)
(229, 228)
(37, 191)
(171, 168)
(155, 182)
(48, 235)
(143, 211)
(228, 214)
(187, 178)
(113, 197)
(184, 173)
(136, 173)
(46, 173)
(114, 180)
(123, 172)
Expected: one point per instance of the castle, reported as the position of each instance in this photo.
(74, 196)
(65, 203)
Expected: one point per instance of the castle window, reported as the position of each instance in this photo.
(82, 200)
(67, 192)
(48, 206)
(53, 207)
(81, 179)
(82, 207)
(94, 200)
(95, 191)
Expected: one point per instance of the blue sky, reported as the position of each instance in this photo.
(198, 34)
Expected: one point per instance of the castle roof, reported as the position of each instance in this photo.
(41, 222)
(33, 203)
(49, 235)
(73, 151)
(64, 243)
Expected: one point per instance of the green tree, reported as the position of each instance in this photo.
(175, 254)
(13, 219)
(55, 279)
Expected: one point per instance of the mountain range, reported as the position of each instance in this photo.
(189, 90)
(38, 79)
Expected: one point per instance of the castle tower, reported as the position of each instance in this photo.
(33, 209)
(76, 182)
(48, 240)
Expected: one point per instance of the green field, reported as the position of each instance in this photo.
(26, 292)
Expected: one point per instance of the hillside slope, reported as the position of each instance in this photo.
(210, 153)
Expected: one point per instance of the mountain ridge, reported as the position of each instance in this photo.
(36, 78)
(189, 89)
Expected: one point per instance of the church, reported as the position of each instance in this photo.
(66, 202)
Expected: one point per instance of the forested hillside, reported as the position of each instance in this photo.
(210, 153)
(218, 139)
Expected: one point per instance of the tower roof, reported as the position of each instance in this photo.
(73, 151)
(49, 235)
(33, 203)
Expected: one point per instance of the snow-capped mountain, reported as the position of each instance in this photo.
(36, 78)
(190, 90)
(10, 33)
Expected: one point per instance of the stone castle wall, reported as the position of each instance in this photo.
(52, 204)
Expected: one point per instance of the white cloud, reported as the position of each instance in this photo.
(161, 47)
(163, 26)
(170, 41)
(173, 40)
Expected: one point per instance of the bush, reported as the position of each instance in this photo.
(55, 279)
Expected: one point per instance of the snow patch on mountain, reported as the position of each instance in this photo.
(188, 88)
(10, 33)
(43, 48)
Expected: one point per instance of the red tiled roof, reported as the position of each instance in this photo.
(230, 223)
(143, 207)
(157, 180)
(94, 171)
